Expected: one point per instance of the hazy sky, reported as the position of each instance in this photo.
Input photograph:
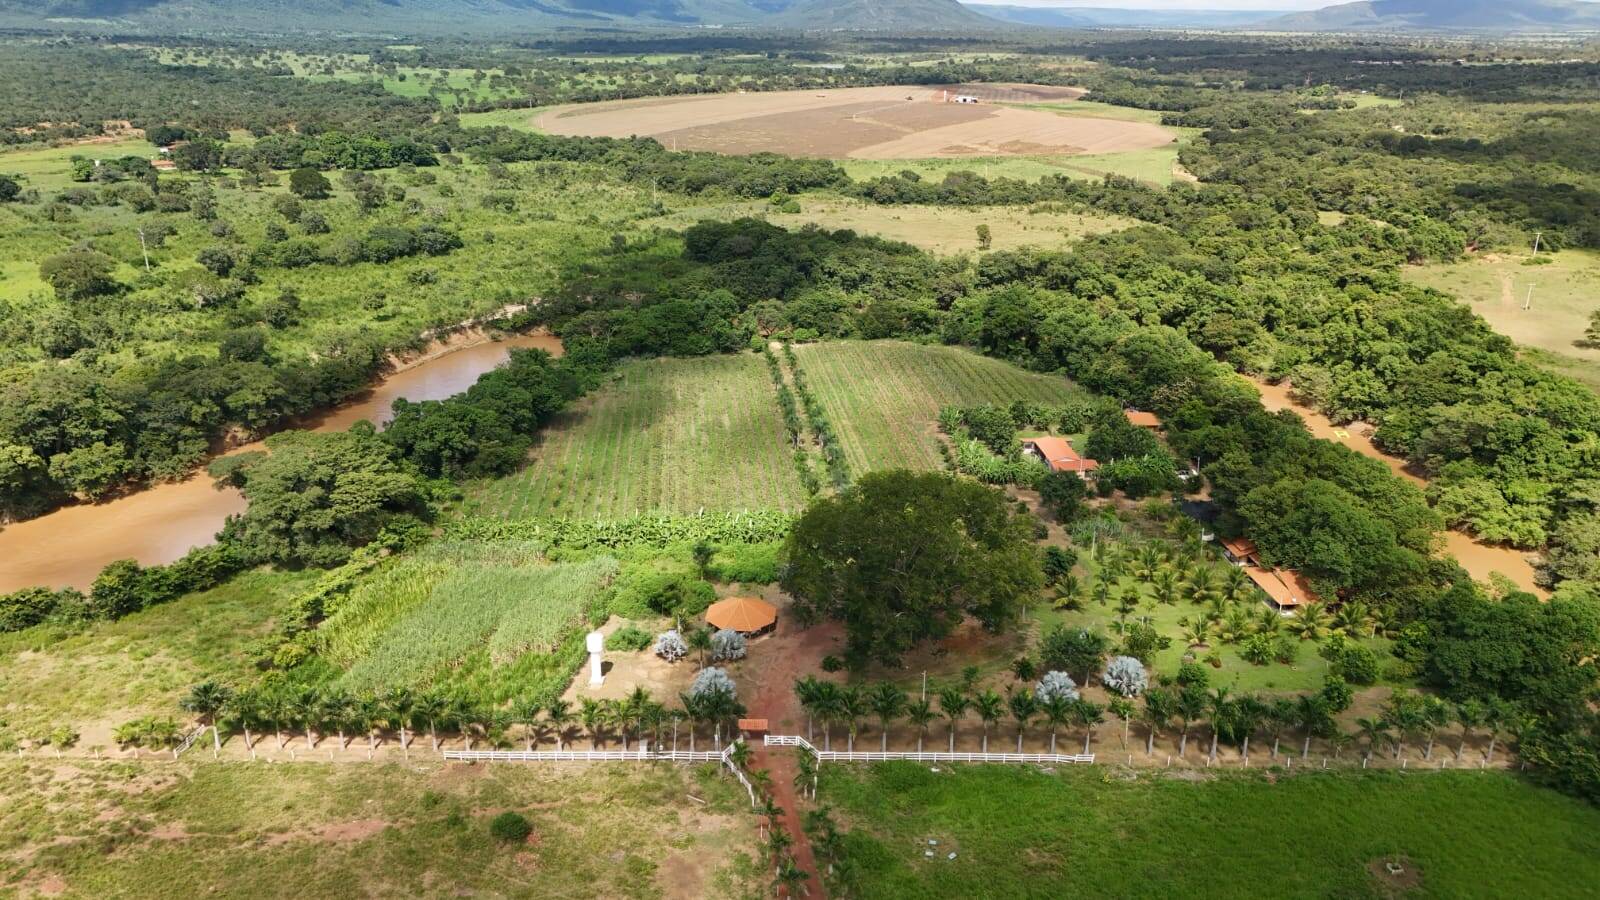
(1172, 4)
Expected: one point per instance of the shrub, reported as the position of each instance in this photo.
(629, 638)
(727, 644)
(1126, 676)
(711, 680)
(510, 827)
(1055, 684)
(747, 563)
(671, 646)
(30, 606)
(1357, 665)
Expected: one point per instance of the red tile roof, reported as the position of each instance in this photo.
(1240, 547)
(1285, 587)
(1059, 455)
(1143, 419)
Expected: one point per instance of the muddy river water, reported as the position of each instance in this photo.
(160, 524)
(1477, 557)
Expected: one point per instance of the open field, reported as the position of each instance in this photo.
(1564, 292)
(863, 123)
(85, 829)
(937, 229)
(665, 434)
(883, 397)
(50, 168)
(98, 678)
(1019, 832)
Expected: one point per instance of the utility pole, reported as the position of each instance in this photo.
(1536, 236)
(1527, 302)
(143, 249)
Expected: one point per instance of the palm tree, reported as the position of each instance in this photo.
(888, 703)
(527, 712)
(1123, 709)
(1434, 714)
(1023, 707)
(629, 712)
(430, 708)
(1191, 704)
(245, 709)
(699, 640)
(720, 706)
(1088, 714)
(852, 706)
(1403, 712)
(592, 713)
(1196, 631)
(1469, 714)
(1164, 587)
(558, 716)
(1310, 622)
(1220, 708)
(1150, 560)
(953, 705)
(1280, 716)
(306, 702)
(807, 691)
(1372, 731)
(333, 711)
(1159, 708)
(276, 706)
(370, 715)
(1354, 618)
(789, 877)
(1069, 592)
(1312, 718)
(1057, 711)
(1236, 584)
(1268, 621)
(805, 776)
(920, 713)
(990, 708)
(1202, 585)
(694, 711)
(207, 700)
(402, 705)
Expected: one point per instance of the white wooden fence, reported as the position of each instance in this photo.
(794, 740)
(189, 739)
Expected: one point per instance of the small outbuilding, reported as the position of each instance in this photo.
(1285, 588)
(750, 616)
(1143, 419)
(1241, 551)
(1059, 456)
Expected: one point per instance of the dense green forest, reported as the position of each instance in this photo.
(313, 225)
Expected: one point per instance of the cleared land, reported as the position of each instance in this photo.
(883, 397)
(863, 123)
(939, 229)
(666, 434)
(1564, 292)
(114, 829)
(1018, 832)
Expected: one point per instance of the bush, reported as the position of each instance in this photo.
(671, 646)
(711, 680)
(1357, 665)
(1055, 684)
(1126, 676)
(629, 638)
(661, 587)
(510, 827)
(30, 606)
(747, 563)
(727, 644)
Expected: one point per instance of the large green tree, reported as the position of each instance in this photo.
(902, 557)
(314, 495)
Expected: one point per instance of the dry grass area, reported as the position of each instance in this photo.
(947, 230)
(861, 123)
(1563, 293)
(82, 828)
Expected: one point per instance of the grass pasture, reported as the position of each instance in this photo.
(1564, 292)
(883, 397)
(672, 435)
(1020, 832)
(81, 828)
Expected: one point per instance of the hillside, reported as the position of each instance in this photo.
(403, 16)
(1107, 17)
(1446, 15)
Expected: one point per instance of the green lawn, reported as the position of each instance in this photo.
(298, 830)
(666, 434)
(50, 168)
(1021, 832)
(883, 397)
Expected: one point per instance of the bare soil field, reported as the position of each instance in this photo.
(861, 123)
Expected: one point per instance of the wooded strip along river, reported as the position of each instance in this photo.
(1477, 557)
(69, 547)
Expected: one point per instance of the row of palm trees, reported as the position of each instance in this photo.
(1230, 719)
(321, 713)
(832, 704)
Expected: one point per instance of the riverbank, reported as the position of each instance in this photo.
(1479, 558)
(154, 526)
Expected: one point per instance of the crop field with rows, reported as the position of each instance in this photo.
(676, 435)
(883, 397)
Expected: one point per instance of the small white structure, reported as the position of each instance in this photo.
(597, 645)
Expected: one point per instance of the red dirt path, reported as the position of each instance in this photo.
(778, 661)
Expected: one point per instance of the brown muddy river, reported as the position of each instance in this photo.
(1477, 557)
(69, 547)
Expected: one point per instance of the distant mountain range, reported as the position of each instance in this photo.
(408, 16)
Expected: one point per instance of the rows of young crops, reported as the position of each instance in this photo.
(883, 397)
(668, 434)
(512, 609)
